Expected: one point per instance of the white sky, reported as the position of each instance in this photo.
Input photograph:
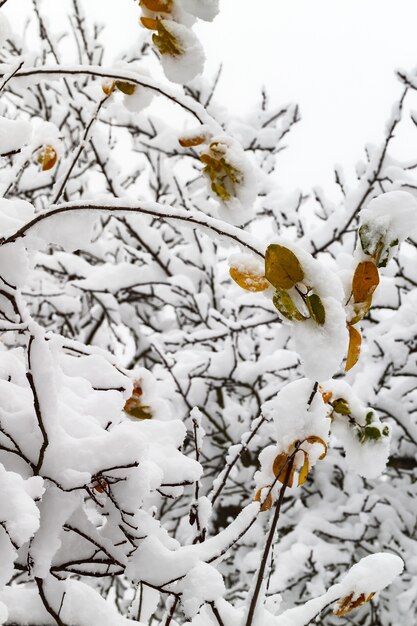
(336, 58)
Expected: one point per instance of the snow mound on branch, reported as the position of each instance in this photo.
(294, 417)
(373, 573)
(18, 510)
(394, 212)
(203, 583)
(13, 133)
(367, 458)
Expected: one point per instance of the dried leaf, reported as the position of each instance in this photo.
(316, 308)
(282, 268)
(285, 305)
(224, 176)
(108, 86)
(136, 409)
(126, 88)
(302, 476)
(149, 23)
(47, 157)
(354, 350)
(315, 439)
(249, 280)
(160, 6)
(191, 142)
(267, 504)
(326, 395)
(365, 281)
(280, 467)
(101, 486)
(347, 604)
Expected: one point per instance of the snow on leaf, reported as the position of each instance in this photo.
(285, 305)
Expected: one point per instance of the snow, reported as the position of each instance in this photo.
(13, 134)
(206, 10)
(321, 348)
(203, 583)
(18, 510)
(367, 458)
(394, 213)
(184, 67)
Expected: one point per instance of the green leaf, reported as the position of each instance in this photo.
(316, 308)
(285, 305)
(369, 417)
(282, 268)
(341, 406)
(372, 432)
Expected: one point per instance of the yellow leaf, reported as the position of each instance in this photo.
(267, 504)
(47, 157)
(365, 281)
(282, 268)
(249, 280)
(302, 477)
(354, 350)
(315, 439)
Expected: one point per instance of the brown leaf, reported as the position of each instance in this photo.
(47, 157)
(160, 6)
(108, 86)
(315, 439)
(365, 281)
(354, 350)
(249, 280)
(280, 467)
(190, 142)
(267, 504)
(347, 604)
(282, 268)
(326, 395)
(149, 23)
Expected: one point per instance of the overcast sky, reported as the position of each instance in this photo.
(336, 58)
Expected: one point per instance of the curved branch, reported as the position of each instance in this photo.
(194, 219)
(58, 71)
